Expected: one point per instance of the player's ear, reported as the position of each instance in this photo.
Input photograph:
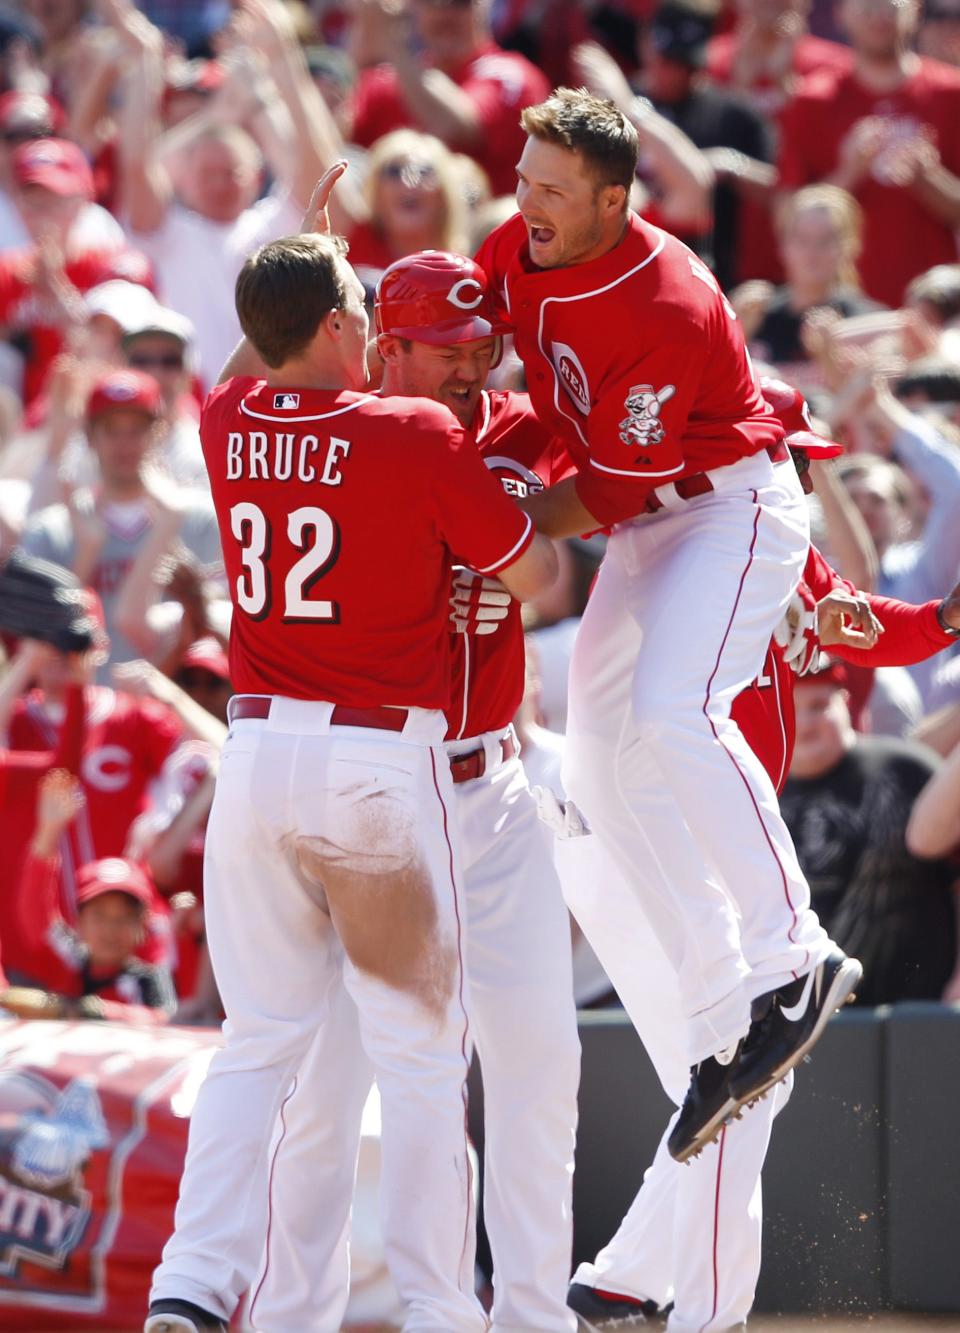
(388, 345)
(613, 200)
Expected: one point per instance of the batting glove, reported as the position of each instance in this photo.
(478, 605)
(562, 818)
(798, 633)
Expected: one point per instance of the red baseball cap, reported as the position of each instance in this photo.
(130, 389)
(113, 874)
(831, 671)
(208, 655)
(814, 446)
(791, 408)
(56, 164)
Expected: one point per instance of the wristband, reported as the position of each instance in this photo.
(947, 629)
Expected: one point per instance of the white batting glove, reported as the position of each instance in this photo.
(562, 818)
(478, 605)
(798, 633)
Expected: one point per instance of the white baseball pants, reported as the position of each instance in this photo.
(677, 625)
(367, 802)
(524, 1023)
(692, 1234)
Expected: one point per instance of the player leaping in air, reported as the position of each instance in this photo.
(709, 538)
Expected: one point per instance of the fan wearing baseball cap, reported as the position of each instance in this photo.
(41, 285)
(106, 528)
(90, 971)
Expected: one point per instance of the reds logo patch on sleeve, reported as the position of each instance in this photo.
(642, 425)
(573, 377)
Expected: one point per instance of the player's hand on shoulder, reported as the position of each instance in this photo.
(478, 605)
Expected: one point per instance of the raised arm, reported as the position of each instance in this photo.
(851, 545)
(681, 171)
(244, 359)
(265, 26)
(140, 589)
(145, 186)
(934, 825)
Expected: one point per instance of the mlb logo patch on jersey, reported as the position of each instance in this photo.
(285, 401)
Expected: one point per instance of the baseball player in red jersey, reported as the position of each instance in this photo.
(633, 353)
(438, 339)
(692, 1237)
(332, 868)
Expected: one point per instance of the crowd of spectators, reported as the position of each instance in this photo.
(808, 151)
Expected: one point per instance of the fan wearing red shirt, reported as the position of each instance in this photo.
(886, 130)
(462, 87)
(334, 791)
(764, 58)
(41, 289)
(768, 50)
(117, 745)
(91, 967)
(438, 338)
(633, 353)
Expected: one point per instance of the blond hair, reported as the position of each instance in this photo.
(429, 150)
(845, 214)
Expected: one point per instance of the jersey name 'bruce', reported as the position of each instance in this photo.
(283, 455)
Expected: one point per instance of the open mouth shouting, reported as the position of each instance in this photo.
(540, 235)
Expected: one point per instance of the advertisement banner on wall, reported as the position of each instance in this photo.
(93, 1132)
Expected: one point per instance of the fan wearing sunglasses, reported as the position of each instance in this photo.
(163, 347)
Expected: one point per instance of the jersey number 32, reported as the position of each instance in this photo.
(309, 530)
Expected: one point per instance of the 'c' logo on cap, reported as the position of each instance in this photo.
(456, 295)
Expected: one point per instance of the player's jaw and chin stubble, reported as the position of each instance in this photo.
(574, 247)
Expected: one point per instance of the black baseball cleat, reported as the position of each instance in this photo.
(707, 1106)
(789, 1021)
(601, 1310)
(182, 1317)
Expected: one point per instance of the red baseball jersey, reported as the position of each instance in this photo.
(665, 392)
(499, 84)
(769, 95)
(125, 743)
(901, 236)
(339, 514)
(488, 670)
(764, 711)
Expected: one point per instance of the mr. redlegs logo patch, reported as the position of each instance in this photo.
(573, 377)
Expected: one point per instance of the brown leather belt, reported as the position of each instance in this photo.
(688, 488)
(466, 767)
(384, 719)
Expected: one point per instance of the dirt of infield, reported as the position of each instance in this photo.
(883, 1323)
